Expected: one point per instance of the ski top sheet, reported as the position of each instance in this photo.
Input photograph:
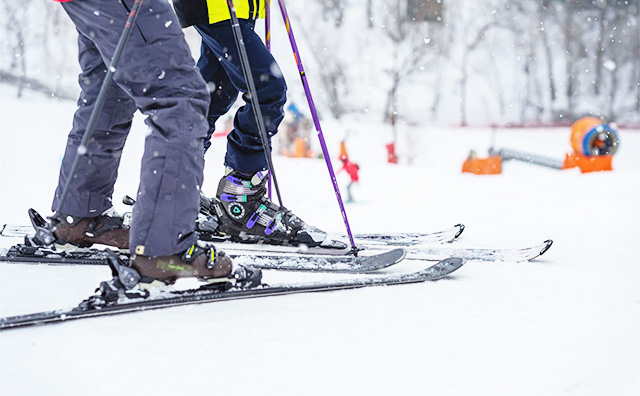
(486, 254)
(92, 306)
(375, 257)
(401, 239)
(15, 231)
(412, 238)
(264, 260)
(423, 252)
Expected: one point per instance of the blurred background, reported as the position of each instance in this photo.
(453, 62)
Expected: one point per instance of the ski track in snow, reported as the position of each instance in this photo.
(567, 323)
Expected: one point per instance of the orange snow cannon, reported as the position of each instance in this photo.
(589, 136)
(594, 145)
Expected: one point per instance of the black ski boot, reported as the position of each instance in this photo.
(245, 213)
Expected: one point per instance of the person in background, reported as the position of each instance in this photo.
(352, 170)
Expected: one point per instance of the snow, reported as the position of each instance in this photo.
(567, 323)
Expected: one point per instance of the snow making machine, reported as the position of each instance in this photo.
(593, 142)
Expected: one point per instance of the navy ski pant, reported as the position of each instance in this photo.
(157, 76)
(221, 68)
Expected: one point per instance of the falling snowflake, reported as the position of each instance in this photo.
(610, 65)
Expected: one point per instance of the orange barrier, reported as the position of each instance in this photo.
(300, 149)
(483, 166)
(586, 163)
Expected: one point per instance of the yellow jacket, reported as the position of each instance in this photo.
(197, 12)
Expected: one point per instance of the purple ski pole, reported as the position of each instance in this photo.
(267, 41)
(267, 24)
(316, 121)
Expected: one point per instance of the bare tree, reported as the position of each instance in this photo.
(370, 13)
(35, 35)
(543, 8)
(15, 22)
(410, 49)
(334, 10)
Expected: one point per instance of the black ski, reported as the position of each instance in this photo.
(366, 262)
(95, 306)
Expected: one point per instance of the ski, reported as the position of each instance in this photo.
(97, 306)
(433, 253)
(295, 259)
(264, 260)
(339, 247)
(15, 231)
(412, 238)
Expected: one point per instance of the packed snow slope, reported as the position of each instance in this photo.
(567, 323)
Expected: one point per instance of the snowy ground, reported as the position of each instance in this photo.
(565, 324)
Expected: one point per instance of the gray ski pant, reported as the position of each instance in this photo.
(157, 76)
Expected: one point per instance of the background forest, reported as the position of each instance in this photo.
(456, 62)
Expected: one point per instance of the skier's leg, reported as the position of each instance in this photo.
(244, 146)
(245, 211)
(80, 219)
(159, 75)
(349, 195)
(90, 190)
(223, 93)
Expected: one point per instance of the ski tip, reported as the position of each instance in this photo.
(547, 246)
(403, 254)
(460, 230)
(445, 267)
(454, 261)
(395, 255)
